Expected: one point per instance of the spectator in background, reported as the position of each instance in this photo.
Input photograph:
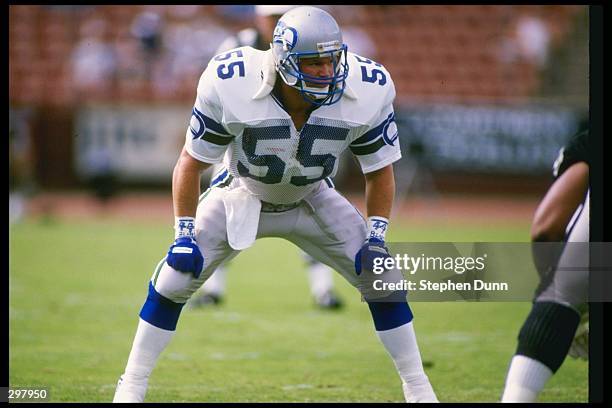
(236, 12)
(259, 36)
(93, 60)
(528, 41)
(129, 65)
(147, 28)
(174, 46)
(137, 49)
(533, 39)
(101, 175)
(190, 44)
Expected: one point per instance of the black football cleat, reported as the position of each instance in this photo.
(329, 301)
(205, 300)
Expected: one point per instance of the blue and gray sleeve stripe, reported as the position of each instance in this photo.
(210, 123)
(368, 149)
(215, 133)
(372, 140)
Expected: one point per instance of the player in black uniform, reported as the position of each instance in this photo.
(550, 328)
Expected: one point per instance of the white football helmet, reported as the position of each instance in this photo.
(309, 32)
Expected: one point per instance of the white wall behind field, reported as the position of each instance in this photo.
(139, 143)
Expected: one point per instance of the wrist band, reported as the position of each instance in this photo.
(377, 227)
(184, 227)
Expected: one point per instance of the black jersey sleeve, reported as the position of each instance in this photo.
(576, 150)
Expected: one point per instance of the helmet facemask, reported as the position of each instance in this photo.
(287, 64)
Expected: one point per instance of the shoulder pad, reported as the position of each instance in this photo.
(368, 78)
(369, 89)
(236, 77)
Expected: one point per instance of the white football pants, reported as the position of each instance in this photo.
(325, 225)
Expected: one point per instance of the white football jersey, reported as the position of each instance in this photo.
(277, 163)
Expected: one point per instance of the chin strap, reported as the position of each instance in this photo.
(348, 92)
(268, 71)
(310, 91)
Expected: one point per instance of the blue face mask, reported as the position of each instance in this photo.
(333, 86)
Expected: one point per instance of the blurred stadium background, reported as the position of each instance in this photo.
(485, 94)
(100, 98)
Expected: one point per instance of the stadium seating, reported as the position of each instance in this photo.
(434, 52)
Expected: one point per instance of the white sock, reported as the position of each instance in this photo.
(320, 277)
(148, 344)
(402, 346)
(215, 284)
(525, 380)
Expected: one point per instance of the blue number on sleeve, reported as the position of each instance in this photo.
(229, 71)
(309, 135)
(373, 76)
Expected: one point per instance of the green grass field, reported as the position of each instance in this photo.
(76, 290)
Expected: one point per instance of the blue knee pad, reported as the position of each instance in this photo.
(389, 315)
(160, 311)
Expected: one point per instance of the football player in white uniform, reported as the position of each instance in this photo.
(319, 274)
(284, 115)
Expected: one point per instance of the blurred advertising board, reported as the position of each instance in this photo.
(139, 144)
(509, 140)
(142, 144)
